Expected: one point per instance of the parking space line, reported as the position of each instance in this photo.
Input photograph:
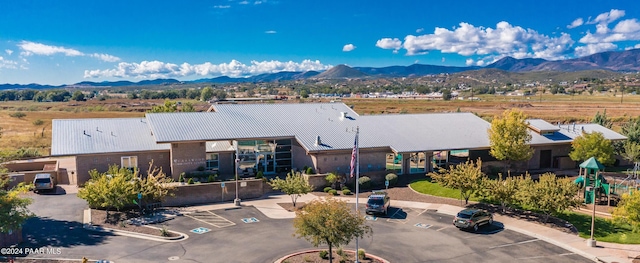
(513, 244)
(211, 218)
(422, 212)
(442, 228)
(548, 256)
(397, 220)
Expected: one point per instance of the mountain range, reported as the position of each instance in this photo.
(618, 61)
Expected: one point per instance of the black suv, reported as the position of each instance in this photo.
(378, 202)
(472, 218)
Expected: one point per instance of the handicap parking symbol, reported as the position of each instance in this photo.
(200, 230)
(421, 225)
(250, 220)
(371, 218)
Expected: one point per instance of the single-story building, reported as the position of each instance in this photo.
(276, 138)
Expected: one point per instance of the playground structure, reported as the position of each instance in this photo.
(591, 177)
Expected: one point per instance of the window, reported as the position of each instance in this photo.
(129, 161)
(417, 162)
(213, 161)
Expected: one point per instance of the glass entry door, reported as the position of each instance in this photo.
(269, 163)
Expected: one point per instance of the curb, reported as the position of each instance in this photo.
(87, 225)
(280, 260)
(57, 259)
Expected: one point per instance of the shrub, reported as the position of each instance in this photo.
(200, 168)
(38, 122)
(309, 170)
(259, 175)
(392, 178)
(331, 178)
(190, 181)
(181, 178)
(324, 254)
(344, 187)
(308, 259)
(362, 254)
(327, 189)
(212, 177)
(364, 182)
(333, 192)
(346, 192)
(164, 231)
(340, 252)
(18, 114)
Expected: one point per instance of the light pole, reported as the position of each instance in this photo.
(237, 162)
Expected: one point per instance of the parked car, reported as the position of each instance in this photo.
(44, 182)
(472, 219)
(378, 202)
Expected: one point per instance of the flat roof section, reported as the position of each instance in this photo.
(542, 126)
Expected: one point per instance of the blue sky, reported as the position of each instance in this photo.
(65, 41)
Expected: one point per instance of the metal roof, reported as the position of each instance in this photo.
(87, 136)
(568, 132)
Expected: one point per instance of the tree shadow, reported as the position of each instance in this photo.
(47, 232)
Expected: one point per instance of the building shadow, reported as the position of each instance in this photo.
(47, 232)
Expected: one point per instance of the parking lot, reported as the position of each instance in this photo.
(246, 235)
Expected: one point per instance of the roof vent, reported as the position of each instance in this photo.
(574, 126)
(318, 142)
(343, 115)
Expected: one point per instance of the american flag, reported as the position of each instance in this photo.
(354, 156)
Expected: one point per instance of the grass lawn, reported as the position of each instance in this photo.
(605, 230)
(425, 186)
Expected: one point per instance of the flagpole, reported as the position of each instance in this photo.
(357, 182)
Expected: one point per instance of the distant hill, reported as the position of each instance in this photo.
(600, 64)
(340, 72)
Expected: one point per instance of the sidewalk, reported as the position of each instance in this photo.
(604, 252)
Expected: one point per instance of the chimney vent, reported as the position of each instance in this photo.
(343, 115)
(318, 142)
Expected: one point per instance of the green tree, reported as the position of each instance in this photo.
(331, 178)
(206, 94)
(509, 137)
(13, 208)
(590, 145)
(78, 96)
(329, 222)
(168, 106)
(188, 107)
(631, 151)
(467, 177)
(503, 190)
(294, 185)
(602, 119)
(628, 211)
(549, 195)
(631, 129)
(446, 94)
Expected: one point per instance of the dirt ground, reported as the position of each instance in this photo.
(289, 206)
(315, 257)
(117, 219)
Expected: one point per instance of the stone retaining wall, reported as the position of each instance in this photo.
(190, 194)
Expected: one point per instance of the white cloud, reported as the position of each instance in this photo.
(443, 60)
(636, 46)
(222, 6)
(244, 2)
(270, 32)
(480, 63)
(576, 23)
(505, 40)
(105, 57)
(607, 17)
(257, 2)
(469, 62)
(627, 26)
(4, 63)
(589, 49)
(158, 69)
(389, 43)
(348, 47)
(31, 48)
(419, 30)
(8, 51)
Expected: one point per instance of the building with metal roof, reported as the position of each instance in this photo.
(276, 138)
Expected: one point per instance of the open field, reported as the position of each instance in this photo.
(26, 132)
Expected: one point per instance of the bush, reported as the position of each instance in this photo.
(38, 122)
(327, 189)
(212, 177)
(361, 254)
(309, 170)
(392, 178)
(344, 187)
(259, 175)
(346, 192)
(333, 192)
(364, 182)
(190, 181)
(340, 252)
(331, 178)
(181, 178)
(164, 231)
(200, 168)
(18, 114)
(324, 254)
